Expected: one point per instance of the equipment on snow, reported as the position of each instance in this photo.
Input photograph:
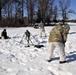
(38, 45)
(22, 38)
(28, 34)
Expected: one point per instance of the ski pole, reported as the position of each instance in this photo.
(22, 38)
(31, 41)
(35, 39)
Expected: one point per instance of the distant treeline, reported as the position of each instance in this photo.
(74, 21)
(24, 23)
(12, 12)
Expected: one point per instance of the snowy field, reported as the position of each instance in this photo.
(17, 59)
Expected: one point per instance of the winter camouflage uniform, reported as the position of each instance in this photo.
(4, 34)
(27, 33)
(55, 34)
(59, 33)
(42, 30)
(57, 38)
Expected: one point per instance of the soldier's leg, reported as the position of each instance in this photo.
(44, 33)
(61, 51)
(28, 39)
(40, 32)
(50, 50)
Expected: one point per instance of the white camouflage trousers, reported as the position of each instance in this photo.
(61, 50)
(42, 32)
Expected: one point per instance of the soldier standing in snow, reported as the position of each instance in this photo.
(4, 34)
(42, 30)
(27, 36)
(57, 38)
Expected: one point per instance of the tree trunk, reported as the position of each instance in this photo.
(0, 10)
(0, 14)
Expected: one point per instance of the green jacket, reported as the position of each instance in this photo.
(59, 34)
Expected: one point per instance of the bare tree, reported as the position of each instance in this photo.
(2, 4)
(30, 6)
(64, 9)
(8, 10)
(19, 9)
(43, 5)
(51, 9)
(39, 18)
(55, 13)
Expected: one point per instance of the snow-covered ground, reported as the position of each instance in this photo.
(17, 59)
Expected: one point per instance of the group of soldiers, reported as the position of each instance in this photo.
(57, 38)
(27, 33)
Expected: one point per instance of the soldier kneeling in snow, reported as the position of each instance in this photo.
(4, 35)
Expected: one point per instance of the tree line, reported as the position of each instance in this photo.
(28, 12)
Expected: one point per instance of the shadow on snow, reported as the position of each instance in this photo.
(72, 33)
(71, 57)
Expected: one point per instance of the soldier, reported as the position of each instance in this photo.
(4, 34)
(42, 30)
(57, 38)
(27, 36)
